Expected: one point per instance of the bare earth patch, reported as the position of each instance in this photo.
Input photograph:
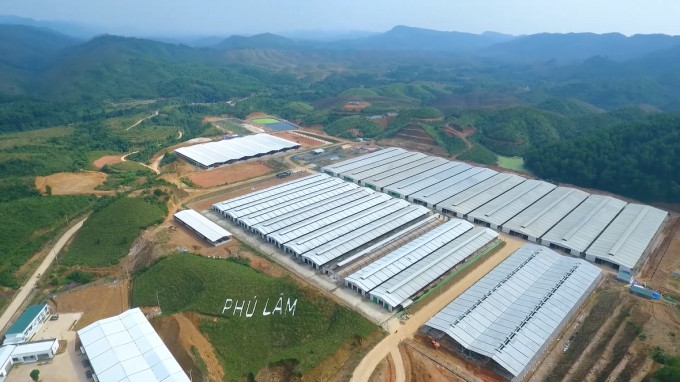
(96, 302)
(106, 160)
(229, 174)
(304, 142)
(67, 183)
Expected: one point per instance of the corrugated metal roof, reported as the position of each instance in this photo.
(512, 311)
(405, 256)
(364, 234)
(127, 348)
(313, 231)
(427, 178)
(26, 318)
(254, 197)
(441, 191)
(480, 193)
(580, 227)
(541, 216)
(363, 160)
(395, 163)
(202, 225)
(405, 284)
(215, 153)
(268, 222)
(509, 204)
(406, 172)
(627, 237)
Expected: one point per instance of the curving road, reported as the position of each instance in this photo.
(29, 285)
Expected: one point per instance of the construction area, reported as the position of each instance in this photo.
(562, 218)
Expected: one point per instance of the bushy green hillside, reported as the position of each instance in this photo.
(306, 330)
(640, 160)
(108, 234)
(352, 127)
(27, 224)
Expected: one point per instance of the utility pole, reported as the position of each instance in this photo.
(158, 300)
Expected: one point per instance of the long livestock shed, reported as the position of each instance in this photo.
(320, 219)
(560, 217)
(626, 240)
(215, 154)
(203, 226)
(540, 217)
(508, 319)
(576, 231)
(394, 279)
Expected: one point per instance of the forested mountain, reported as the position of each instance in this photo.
(640, 160)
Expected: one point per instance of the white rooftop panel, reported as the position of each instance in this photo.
(404, 285)
(117, 360)
(202, 225)
(427, 178)
(405, 256)
(627, 237)
(509, 204)
(394, 164)
(511, 312)
(216, 153)
(364, 234)
(406, 172)
(363, 160)
(580, 227)
(481, 193)
(441, 191)
(541, 216)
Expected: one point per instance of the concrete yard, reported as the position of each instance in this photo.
(65, 367)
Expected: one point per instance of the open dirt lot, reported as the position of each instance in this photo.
(107, 159)
(229, 174)
(67, 183)
(96, 302)
(304, 142)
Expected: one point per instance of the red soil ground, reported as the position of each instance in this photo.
(229, 174)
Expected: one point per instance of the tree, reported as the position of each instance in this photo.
(35, 375)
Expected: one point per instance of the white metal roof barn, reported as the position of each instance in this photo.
(478, 195)
(627, 238)
(580, 227)
(511, 315)
(215, 154)
(321, 219)
(203, 226)
(127, 348)
(394, 279)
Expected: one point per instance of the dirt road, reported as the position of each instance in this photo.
(26, 289)
(142, 120)
(399, 332)
(154, 169)
(399, 373)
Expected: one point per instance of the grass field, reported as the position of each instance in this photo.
(512, 163)
(314, 332)
(27, 224)
(107, 235)
(265, 121)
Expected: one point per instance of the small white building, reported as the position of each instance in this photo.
(27, 325)
(27, 352)
(203, 227)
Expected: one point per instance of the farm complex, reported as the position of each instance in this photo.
(216, 154)
(592, 226)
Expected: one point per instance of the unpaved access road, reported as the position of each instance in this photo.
(399, 332)
(26, 289)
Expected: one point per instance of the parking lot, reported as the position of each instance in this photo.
(65, 367)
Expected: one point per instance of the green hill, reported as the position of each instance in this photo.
(640, 160)
(307, 329)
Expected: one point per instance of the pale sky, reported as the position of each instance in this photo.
(225, 17)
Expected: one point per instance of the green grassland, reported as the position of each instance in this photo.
(314, 332)
(265, 121)
(512, 163)
(110, 231)
(27, 224)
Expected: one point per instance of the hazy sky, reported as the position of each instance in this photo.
(224, 17)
